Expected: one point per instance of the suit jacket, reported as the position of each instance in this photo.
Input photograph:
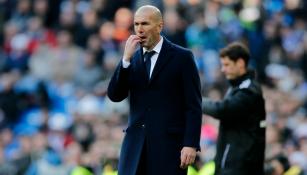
(166, 109)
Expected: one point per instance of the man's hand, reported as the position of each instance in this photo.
(130, 47)
(188, 155)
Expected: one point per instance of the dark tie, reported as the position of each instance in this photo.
(147, 56)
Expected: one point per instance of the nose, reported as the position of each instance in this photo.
(223, 69)
(139, 29)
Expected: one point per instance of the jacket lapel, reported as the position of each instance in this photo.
(163, 58)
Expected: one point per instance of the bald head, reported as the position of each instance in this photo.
(147, 25)
(153, 11)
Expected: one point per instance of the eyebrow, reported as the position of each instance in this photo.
(141, 22)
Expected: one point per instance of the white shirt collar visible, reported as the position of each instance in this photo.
(157, 48)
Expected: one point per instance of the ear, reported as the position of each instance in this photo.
(241, 63)
(161, 26)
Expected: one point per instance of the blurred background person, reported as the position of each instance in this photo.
(241, 137)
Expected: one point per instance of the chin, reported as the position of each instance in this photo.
(144, 45)
(230, 77)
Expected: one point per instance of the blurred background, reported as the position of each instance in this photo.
(57, 56)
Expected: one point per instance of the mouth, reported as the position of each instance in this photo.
(143, 38)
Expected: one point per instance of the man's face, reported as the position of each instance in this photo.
(231, 69)
(148, 28)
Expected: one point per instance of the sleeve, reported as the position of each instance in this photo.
(235, 107)
(118, 88)
(192, 96)
(125, 64)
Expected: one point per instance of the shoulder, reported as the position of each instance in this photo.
(250, 85)
(183, 54)
(181, 50)
(245, 84)
(175, 47)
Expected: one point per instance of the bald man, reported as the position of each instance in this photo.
(163, 86)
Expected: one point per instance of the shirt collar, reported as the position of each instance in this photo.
(157, 48)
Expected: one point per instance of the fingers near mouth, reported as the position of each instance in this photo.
(142, 38)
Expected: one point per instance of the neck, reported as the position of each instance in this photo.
(242, 72)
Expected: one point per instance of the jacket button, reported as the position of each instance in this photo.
(143, 126)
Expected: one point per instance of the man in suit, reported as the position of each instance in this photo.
(241, 140)
(163, 88)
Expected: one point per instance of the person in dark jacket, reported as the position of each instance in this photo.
(164, 124)
(241, 139)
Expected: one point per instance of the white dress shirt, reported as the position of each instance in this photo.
(154, 58)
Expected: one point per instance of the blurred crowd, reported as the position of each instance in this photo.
(57, 56)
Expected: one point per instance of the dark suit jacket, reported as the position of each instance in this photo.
(165, 109)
